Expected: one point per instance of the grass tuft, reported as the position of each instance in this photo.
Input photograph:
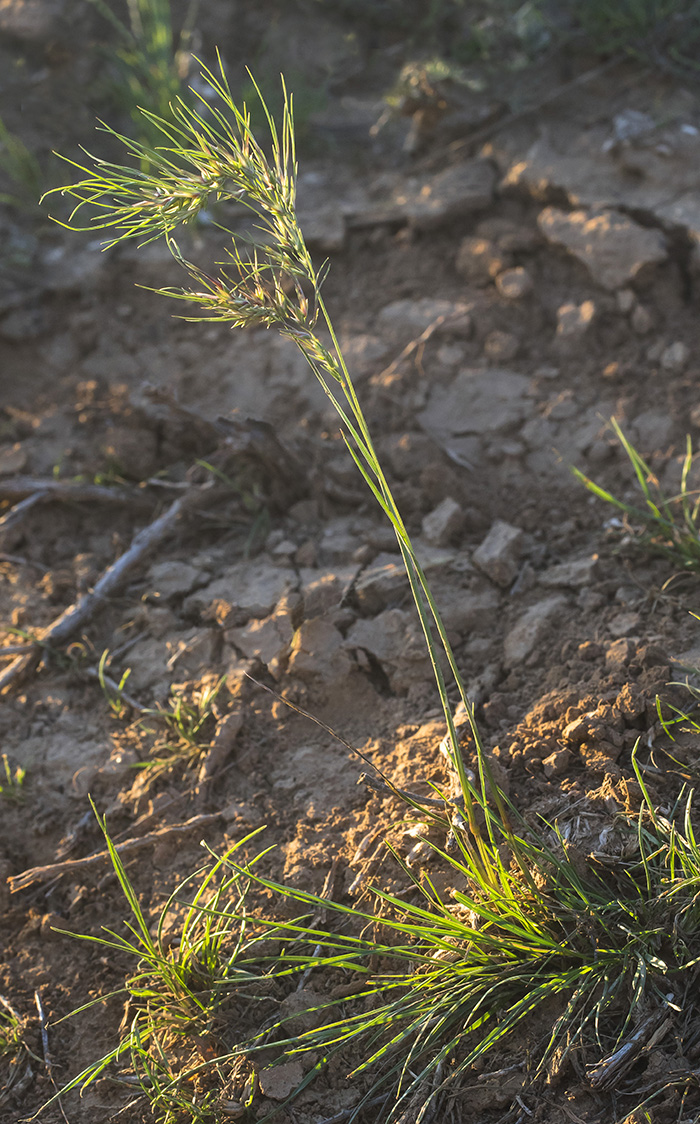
(588, 959)
(668, 525)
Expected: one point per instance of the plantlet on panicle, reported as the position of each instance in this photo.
(668, 525)
(526, 925)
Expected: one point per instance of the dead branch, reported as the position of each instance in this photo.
(114, 577)
(19, 488)
(608, 1072)
(129, 846)
(17, 513)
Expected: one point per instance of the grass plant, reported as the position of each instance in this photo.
(181, 990)
(185, 728)
(15, 1069)
(668, 525)
(12, 781)
(150, 68)
(600, 952)
(526, 928)
(22, 169)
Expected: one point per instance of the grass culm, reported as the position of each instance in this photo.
(605, 951)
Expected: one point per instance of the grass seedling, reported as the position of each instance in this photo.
(668, 525)
(187, 728)
(12, 781)
(14, 1064)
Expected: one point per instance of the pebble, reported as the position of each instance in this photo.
(381, 583)
(13, 459)
(624, 624)
(641, 320)
(557, 763)
(172, 579)
(318, 652)
(498, 556)
(575, 574)
(526, 634)
(443, 523)
(675, 357)
(611, 245)
(477, 401)
(514, 284)
(501, 346)
(412, 317)
(626, 300)
(574, 320)
(278, 1081)
(479, 260)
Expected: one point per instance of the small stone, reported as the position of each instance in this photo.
(618, 654)
(318, 652)
(480, 261)
(450, 354)
(557, 763)
(501, 346)
(468, 611)
(395, 639)
(572, 575)
(250, 589)
(412, 317)
(624, 624)
(305, 556)
(278, 1081)
(477, 402)
(530, 629)
(574, 320)
(626, 300)
(641, 320)
(265, 640)
(613, 247)
(514, 284)
(381, 583)
(653, 430)
(13, 459)
(322, 590)
(498, 556)
(409, 453)
(443, 523)
(430, 201)
(675, 357)
(172, 579)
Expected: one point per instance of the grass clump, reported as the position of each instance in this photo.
(668, 525)
(588, 959)
(443, 979)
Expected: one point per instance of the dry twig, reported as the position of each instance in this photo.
(129, 846)
(114, 577)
